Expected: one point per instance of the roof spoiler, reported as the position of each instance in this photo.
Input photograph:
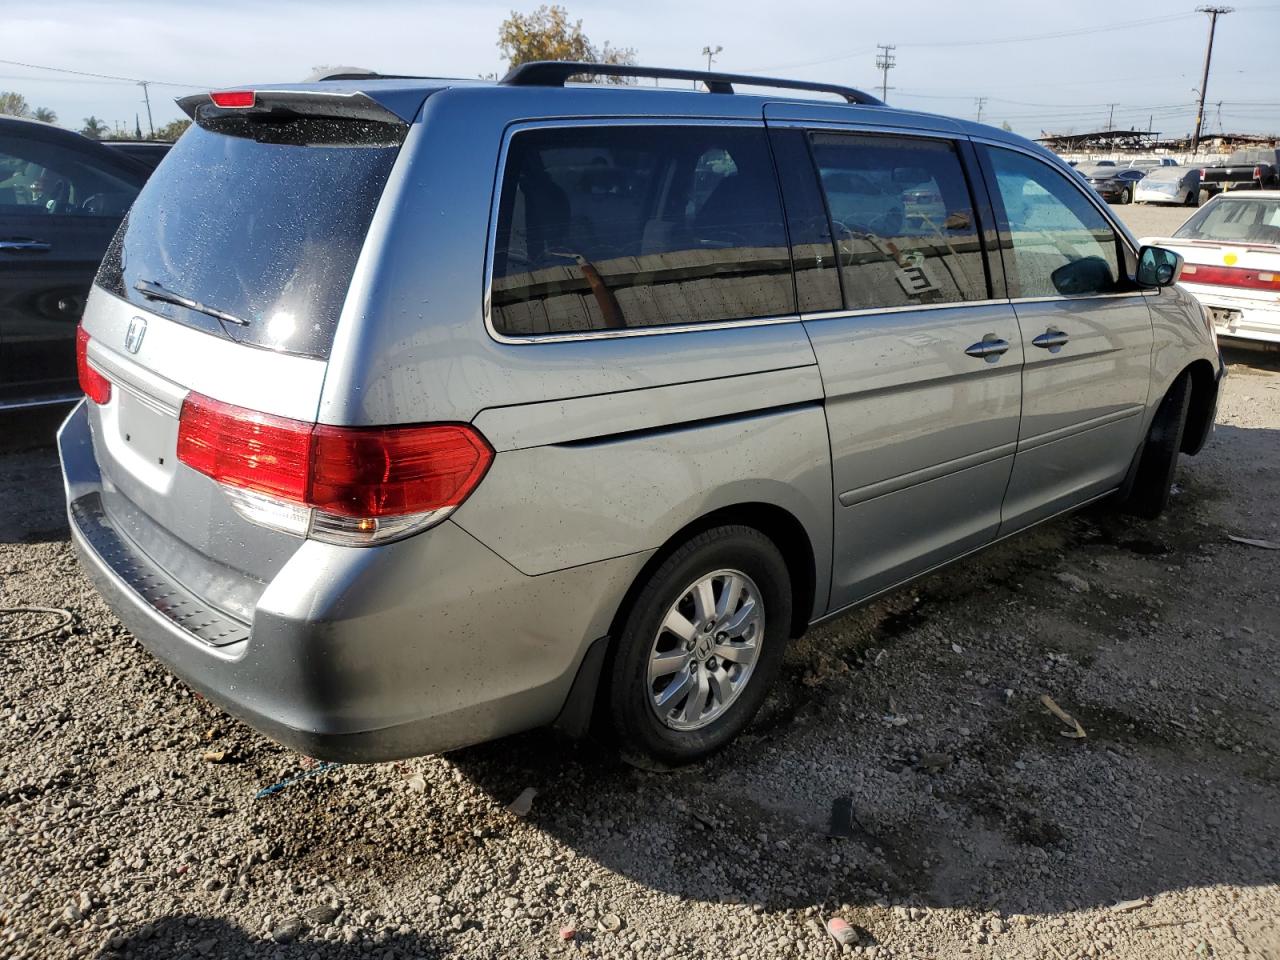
(554, 73)
(352, 105)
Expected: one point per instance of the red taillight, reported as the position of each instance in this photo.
(232, 99)
(362, 472)
(243, 448)
(1257, 173)
(1231, 277)
(95, 386)
(395, 470)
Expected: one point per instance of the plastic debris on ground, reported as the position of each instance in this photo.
(611, 923)
(1251, 542)
(62, 612)
(841, 932)
(523, 804)
(841, 817)
(1077, 733)
(315, 771)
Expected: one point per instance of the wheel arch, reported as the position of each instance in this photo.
(777, 523)
(1204, 403)
(780, 525)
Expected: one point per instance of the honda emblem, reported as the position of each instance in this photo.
(133, 338)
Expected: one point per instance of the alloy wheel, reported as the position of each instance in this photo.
(706, 649)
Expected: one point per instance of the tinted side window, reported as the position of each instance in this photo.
(38, 178)
(812, 250)
(903, 220)
(608, 228)
(1059, 244)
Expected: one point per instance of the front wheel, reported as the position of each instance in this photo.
(1159, 458)
(701, 646)
(1127, 196)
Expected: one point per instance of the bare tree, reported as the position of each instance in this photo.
(13, 104)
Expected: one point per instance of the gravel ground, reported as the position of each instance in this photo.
(130, 826)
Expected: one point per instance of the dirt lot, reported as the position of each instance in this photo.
(130, 826)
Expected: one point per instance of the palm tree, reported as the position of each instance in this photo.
(44, 114)
(93, 128)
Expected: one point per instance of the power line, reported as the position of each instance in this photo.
(884, 63)
(99, 76)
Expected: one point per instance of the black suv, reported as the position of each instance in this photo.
(62, 196)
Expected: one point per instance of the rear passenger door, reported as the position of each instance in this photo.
(1087, 341)
(920, 360)
(59, 208)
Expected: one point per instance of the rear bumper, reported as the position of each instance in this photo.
(1158, 196)
(1242, 318)
(360, 654)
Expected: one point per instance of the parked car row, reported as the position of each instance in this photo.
(1169, 184)
(1254, 169)
(1114, 184)
(62, 196)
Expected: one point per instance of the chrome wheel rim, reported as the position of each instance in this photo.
(706, 650)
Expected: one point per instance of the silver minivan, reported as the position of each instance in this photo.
(420, 412)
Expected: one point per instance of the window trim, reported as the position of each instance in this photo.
(495, 203)
(1002, 221)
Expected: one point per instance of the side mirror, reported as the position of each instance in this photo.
(1158, 267)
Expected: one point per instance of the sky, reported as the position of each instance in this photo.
(1040, 66)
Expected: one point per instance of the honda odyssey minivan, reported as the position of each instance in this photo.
(420, 412)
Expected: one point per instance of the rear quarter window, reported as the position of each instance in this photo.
(619, 228)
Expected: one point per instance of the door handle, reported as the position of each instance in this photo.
(23, 245)
(989, 348)
(1051, 340)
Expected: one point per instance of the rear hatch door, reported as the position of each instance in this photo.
(228, 279)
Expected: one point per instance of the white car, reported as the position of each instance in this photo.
(1169, 185)
(1153, 163)
(1232, 250)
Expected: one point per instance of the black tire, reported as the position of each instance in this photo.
(1159, 457)
(635, 720)
(1127, 196)
(1193, 198)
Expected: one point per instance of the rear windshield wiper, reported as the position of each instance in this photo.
(154, 291)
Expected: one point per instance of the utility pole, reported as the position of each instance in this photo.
(981, 102)
(1111, 115)
(147, 97)
(1214, 13)
(884, 63)
(711, 54)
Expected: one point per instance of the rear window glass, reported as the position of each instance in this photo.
(608, 228)
(1241, 221)
(258, 219)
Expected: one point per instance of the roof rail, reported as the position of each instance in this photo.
(554, 73)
